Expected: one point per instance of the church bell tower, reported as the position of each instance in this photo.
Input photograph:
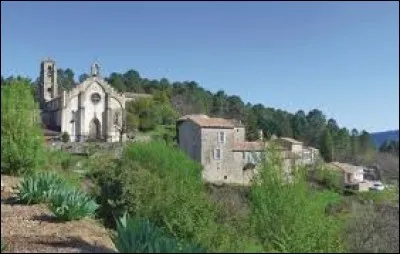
(48, 80)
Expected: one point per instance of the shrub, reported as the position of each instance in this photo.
(373, 229)
(36, 188)
(386, 196)
(3, 246)
(71, 204)
(22, 141)
(58, 160)
(65, 137)
(290, 217)
(141, 236)
(329, 178)
(155, 181)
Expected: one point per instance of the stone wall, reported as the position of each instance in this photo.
(225, 169)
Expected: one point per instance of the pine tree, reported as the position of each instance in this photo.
(326, 146)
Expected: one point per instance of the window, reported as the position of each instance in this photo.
(116, 118)
(221, 137)
(49, 71)
(95, 98)
(225, 177)
(217, 154)
(244, 155)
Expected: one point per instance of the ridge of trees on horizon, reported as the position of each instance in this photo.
(173, 99)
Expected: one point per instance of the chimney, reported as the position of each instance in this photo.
(260, 135)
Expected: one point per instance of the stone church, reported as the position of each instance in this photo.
(92, 110)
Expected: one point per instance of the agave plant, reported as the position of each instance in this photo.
(71, 204)
(136, 235)
(3, 246)
(35, 188)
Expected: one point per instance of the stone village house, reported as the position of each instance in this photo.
(220, 146)
(92, 110)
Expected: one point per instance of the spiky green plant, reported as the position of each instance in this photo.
(71, 204)
(36, 188)
(3, 246)
(137, 235)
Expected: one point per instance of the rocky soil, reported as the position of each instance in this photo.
(32, 228)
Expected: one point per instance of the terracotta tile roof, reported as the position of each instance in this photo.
(205, 121)
(291, 140)
(249, 146)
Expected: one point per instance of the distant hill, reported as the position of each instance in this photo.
(380, 137)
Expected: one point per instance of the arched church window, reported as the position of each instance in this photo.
(95, 98)
(116, 118)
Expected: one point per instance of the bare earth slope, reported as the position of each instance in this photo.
(33, 229)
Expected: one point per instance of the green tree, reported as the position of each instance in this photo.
(219, 104)
(299, 125)
(65, 79)
(251, 126)
(354, 143)
(326, 146)
(288, 217)
(83, 77)
(116, 80)
(316, 124)
(235, 108)
(342, 144)
(22, 143)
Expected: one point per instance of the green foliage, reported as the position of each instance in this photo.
(3, 246)
(65, 79)
(65, 137)
(37, 188)
(326, 147)
(391, 146)
(288, 216)
(387, 196)
(166, 133)
(161, 183)
(63, 164)
(329, 178)
(141, 236)
(22, 142)
(71, 204)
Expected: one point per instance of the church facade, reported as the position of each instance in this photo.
(92, 110)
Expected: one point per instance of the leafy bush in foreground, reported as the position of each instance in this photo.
(22, 141)
(155, 181)
(36, 188)
(141, 236)
(71, 204)
(289, 217)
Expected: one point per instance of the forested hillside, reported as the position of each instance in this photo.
(380, 137)
(188, 97)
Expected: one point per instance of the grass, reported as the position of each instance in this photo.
(387, 196)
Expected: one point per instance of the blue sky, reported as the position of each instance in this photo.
(340, 57)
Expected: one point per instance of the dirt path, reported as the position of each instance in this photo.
(33, 228)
